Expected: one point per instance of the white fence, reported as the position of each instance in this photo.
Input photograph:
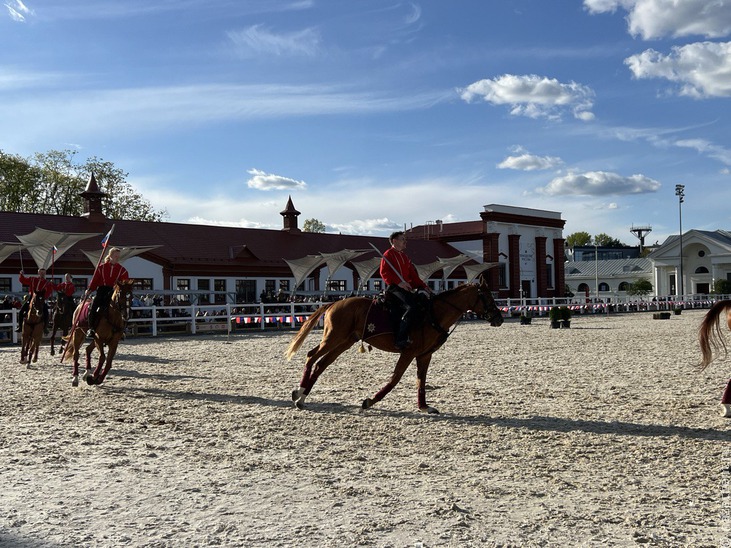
(158, 321)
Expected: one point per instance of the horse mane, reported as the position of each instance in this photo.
(453, 291)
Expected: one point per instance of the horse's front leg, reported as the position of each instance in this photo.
(53, 340)
(422, 366)
(111, 352)
(401, 365)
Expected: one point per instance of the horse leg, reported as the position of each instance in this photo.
(422, 366)
(726, 401)
(89, 377)
(401, 365)
(53, 339)
(317, 361)
(111, 351)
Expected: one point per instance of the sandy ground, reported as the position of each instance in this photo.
(598, 435)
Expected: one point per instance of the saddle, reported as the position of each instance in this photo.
(385, 314)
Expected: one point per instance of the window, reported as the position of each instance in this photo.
(377, 285)
(502, 277)
(624, 286)
(245, 291)
(337, 285)
(701, 270)
(142, 284)
(604, 286)
(219, 286)
(80, 283)
(204, 284)
(5, 285)
(549, 275)
(284, 285)
(701, 253)
(183, 284)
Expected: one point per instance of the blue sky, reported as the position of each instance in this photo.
(378, 114)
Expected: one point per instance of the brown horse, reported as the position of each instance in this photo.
(63, 316)
(711, 339)
(345, 324)
(32, 330)
(108, 332)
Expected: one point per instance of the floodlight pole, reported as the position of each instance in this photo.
(680, 193)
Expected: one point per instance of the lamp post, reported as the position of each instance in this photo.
(680, 193)
(596, 271)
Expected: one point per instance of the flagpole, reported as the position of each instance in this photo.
(105, 243)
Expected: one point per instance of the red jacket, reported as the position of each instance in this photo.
(67, 288)
(393, 259)
(36, 284)
(108, 274)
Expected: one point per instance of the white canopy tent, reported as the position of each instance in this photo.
(124, 252)
(475, 270)
(301, 268)
(8, 248)
(47, 246)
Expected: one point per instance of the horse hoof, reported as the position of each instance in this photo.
(89, 378)
(429, 410)
(75, 380)
(367, 403)
(295, 395)
(726, 410)
(52, 352)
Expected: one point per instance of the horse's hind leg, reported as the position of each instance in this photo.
(317, 361)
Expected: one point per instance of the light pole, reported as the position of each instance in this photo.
(596, 271)
(680, 193)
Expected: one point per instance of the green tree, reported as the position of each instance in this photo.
(313, 225)
(640, 287)
(51, 182)
(605, 240)
(722, 287)
(578, 239)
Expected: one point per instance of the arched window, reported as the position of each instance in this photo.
(604, 286)
(701, 270)
(624, 286)
(583, 288)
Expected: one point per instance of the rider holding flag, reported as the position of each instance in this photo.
(105, 277)
(36, 284)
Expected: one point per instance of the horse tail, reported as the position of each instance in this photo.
(305, 329)
(710, 337)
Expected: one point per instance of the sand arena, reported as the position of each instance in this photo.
(598, 435)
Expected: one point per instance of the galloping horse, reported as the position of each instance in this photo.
(63, 316)
(32, 329)
(108, 332)
(711, 339)
(345, 324)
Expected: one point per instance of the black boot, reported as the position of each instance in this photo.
(402, 334)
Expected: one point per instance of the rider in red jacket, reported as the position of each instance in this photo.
(36, 284)
(105, 277)
(402, 283)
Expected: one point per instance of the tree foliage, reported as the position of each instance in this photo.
(51, 183)
(640, 288)
(578, 239)
(722, 287)
(605, 240)
(313, 225)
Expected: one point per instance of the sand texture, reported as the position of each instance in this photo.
(599, 435)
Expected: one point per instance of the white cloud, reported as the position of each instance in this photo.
(599, 183)
(256, 40)
(268, 181)
(703, 69)
(530, 162)
(533, 96)
(18, 11)
(652, 19)
(707, 148)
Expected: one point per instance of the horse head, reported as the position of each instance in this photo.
(486, 308)
(122, 297)
(36, 303)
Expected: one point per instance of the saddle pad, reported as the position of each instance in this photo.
(378, 321)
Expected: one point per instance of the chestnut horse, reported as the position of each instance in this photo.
(32, 330)
(345, 325)
(711, 339)
(63, 316)
(108, 332)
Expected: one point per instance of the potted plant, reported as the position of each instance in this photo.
(555, 316)
(565, 315)
(677, 310)
(525, 317)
